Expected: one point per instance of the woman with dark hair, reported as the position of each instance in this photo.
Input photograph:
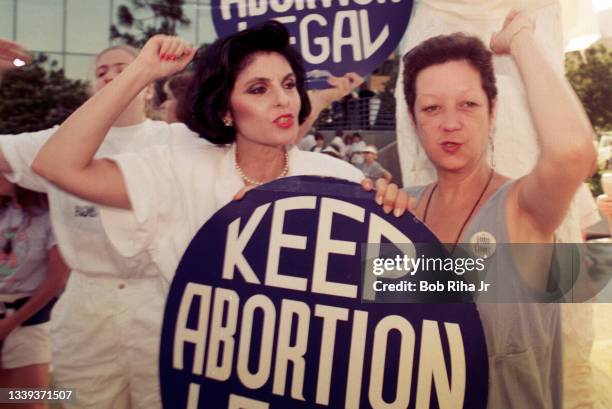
(32, 274)
(110, 300)
(175, 89)
(450, 92)
(247, 98)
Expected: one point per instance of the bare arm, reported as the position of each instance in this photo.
(67, 158)
(320, 99)
(564, 131)
(57, 276)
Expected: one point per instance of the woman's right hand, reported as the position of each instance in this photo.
(515, 22)
(164, 55)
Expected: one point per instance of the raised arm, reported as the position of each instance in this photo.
(320, 99)
(67, 158)
(564, 131)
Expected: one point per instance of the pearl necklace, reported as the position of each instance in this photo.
(250, 181)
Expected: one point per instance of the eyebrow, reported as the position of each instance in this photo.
(465, 91)
(266, 80)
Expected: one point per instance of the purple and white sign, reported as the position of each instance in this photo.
(334, 37)
(265, 311)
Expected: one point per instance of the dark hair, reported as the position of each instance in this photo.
(444, 48)
(32, 203)
(319, 136)
(215, 72)
(179, 83)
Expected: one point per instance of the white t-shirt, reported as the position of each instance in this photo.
(174, 191)
(24, 244)
(76, 222)
(586, 206)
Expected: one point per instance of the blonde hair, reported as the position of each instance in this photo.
(133, 51)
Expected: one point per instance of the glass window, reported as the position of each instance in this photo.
(6, 18)
(79, 67)
(206, 28)
(39, 24)
(87, 25)
(188, 33)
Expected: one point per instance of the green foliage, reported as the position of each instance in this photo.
(590, 74)
(37, 97)
(147, 18)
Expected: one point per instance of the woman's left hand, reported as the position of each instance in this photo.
(515, 22)
(390, 196)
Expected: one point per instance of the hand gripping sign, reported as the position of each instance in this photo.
(265, 312)
(334, 37)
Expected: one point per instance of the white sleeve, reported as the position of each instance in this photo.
(152, 190)
(20, 151)
(50, 236)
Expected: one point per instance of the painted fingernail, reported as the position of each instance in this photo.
(397, 212)
(379, 200)
(386, 209)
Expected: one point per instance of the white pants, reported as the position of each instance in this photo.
(105, 336)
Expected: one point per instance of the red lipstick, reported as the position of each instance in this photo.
(284, 121)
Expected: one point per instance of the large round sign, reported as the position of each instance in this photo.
(333, 37)
(266, 311)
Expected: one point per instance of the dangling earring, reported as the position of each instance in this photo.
(227, 122)
(492, 146)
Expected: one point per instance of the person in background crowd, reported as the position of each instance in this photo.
(319, 142)
(331, 150)
(337, 145)
(175, 88)
(370, 167)
(32, 274)
(355, 151)
(307, 142)
(604, 204)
